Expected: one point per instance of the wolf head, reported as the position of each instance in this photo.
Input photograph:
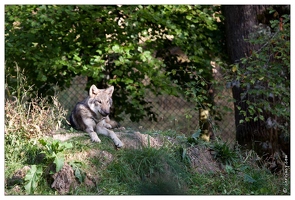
(100, 100)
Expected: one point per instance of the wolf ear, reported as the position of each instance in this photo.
(110, 90)
(93, 91)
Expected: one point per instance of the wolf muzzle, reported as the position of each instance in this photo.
(104, 113)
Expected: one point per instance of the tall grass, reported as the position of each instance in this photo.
(30, 116)
(27, 118)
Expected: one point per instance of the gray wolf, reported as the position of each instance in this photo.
(92, 115)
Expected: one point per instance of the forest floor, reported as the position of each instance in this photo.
(154, 163)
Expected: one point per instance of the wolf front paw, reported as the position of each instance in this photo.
(94, 137)
(95, 140)
(119, 144)
(108, 126)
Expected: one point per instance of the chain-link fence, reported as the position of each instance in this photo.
(173, 113)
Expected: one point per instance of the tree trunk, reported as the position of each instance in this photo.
(240, 21)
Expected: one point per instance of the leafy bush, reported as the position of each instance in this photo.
(53, 155)
(54, 152)
(266, 77)
(114, 45)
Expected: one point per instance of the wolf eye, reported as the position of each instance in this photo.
(98, 101)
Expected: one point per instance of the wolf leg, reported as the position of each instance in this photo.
(94, 137)
(109, 133)
(89, 129)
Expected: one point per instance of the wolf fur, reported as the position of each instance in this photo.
(92, 115)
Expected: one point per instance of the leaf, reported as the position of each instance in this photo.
(78, 174)
(249, 179)
(229, 169)
(33, 176)
(189, 17)
(128, 81)
(77, 58)
(234, 68)
(59, 161)
(99, 52)
(196, 134)
(116, 48)
(67, 145)
(183, 153)
(43, 142)
(261, 117)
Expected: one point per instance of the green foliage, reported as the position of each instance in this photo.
(54, 152)
(265, 76)
(79, 174)
(25, 122)
(221, 150)
(18, 150)
(52, 155)
(196, 135)
(195, 139)
(198, 33)
(117, 45)
(224, 154)
(32, 177)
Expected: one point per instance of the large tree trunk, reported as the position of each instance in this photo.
(240, 22)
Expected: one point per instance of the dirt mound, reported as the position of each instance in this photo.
(200, 158)
(202, 161)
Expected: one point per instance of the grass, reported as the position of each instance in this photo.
(147, 171)
(250, 182)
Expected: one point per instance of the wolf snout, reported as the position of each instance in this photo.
(104, 113)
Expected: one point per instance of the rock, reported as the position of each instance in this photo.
(18, 176)
(138, 140)
(64, 180)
